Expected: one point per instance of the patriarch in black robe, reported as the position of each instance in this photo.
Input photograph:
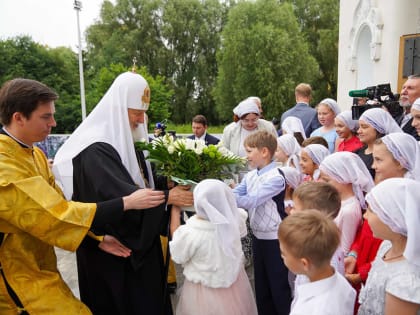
(99, 162)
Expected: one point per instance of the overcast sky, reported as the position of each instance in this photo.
(50, 22)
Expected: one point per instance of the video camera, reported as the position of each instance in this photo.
(378, 96)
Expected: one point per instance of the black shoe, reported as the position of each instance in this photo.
(172, 287)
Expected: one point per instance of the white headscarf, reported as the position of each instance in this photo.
(416, 104)
(293, 176)
(108, 123)
(381, 120)
(347, 167)
(347, 118)
(215, 202)
(332, 104)
(247, 106)
(396, 201)
(291, 147)
(317, 152)
(293, 124)
(406, 150)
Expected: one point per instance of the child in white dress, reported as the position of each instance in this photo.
(393, 284)
(209, 248)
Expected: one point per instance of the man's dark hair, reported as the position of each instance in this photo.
(23, 96)
(200, 119)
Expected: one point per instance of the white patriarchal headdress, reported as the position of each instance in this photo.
(108, 123)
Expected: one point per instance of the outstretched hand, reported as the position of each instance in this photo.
(143, 199)
(180, 196)
(113, 246)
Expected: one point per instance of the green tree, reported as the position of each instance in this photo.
(319, 20)
(130, 28)
(264, 54)
(57, 68)
(191, 29)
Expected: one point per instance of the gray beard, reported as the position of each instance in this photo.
(137, 135)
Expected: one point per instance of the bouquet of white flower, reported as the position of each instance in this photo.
(188, 161)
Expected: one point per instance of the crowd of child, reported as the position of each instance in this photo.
(334, 219)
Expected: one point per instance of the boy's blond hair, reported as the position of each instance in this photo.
(262, 139)
(310, 234)
(319, 195)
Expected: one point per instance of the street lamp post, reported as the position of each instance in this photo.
(78, 8)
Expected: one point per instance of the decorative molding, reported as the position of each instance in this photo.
(418, 21)
(365, 15)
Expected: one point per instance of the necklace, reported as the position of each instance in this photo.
(384, 258)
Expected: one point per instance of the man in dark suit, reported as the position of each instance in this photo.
(302, 110)
(199, 128)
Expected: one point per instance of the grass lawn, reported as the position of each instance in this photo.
(186, 129)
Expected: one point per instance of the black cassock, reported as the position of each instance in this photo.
(110, 284)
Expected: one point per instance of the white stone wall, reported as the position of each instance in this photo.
(369, 38)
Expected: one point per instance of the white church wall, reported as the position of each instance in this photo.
(369, 38)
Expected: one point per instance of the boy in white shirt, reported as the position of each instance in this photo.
(326, 199)
(308, 239)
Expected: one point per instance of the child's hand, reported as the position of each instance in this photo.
(175, 218)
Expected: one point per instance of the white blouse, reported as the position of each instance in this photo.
(399, 278)
(195, 246)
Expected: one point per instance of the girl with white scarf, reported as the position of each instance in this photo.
(346, 128)
(288, 151)
(348, 174)
(209, 248)
(293, 125)
(396, 155)
(311, 157)
(393, 285)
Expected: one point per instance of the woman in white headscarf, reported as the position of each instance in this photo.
(288, 151)
(249, 122)
(393, 285)
(209, 248)
(396, 155)
(346, 128)
(347, 172)
(374, 123)
(234, 134)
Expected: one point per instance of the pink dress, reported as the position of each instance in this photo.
(215, 284)
(198, 299)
